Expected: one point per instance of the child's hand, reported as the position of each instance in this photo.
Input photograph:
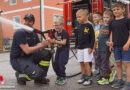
(101, 31)
(93, 50)
(96, 40)
(76, 50)
(126, 47)
(52, 40)
(110, 44)
(111, 49)
(89, 50)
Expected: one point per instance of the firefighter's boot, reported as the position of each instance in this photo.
(21, 79)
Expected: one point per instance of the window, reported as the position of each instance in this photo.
(17, 20)
(57, 16)
(13, 2)
(5, 0)
(26, 0)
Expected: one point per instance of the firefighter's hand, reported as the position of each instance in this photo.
(44, 43)
(89, 50)
(126, 47)
(48, 39)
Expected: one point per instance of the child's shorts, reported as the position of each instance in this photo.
(84, 56)
(121, 55)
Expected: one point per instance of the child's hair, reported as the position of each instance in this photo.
(98, 13)
(109, 12)
(90, 18)
(118, 4)
(121, 5)
(83, 11)
(59, 20)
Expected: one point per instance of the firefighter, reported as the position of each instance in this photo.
(28, 56)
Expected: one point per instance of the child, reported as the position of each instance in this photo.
(84, 43)
(97, 18)
(103, 53)
(120, 41)
(62, 52)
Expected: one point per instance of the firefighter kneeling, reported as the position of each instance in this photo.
(28, 55)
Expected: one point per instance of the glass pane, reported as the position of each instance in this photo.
(26, 0)
(17, 20)
(13, 2)
(5, 0)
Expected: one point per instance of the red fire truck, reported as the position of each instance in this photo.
(71, 6)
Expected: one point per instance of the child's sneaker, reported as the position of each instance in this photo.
(103, 81)
(97, 74)
(112, 76)
(57, 79)
(62, 81)
(82, 79)
(98, 78)
(118, 84)
(88, 81)
(127, 86)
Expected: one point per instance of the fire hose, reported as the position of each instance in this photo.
(50, 33)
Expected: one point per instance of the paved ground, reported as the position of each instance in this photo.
(73, 67)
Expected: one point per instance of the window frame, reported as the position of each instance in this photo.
(15, 26)
(14, 3)
(26, 1)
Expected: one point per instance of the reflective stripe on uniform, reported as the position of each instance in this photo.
(27, 77)
(44, 63)
(21, 76)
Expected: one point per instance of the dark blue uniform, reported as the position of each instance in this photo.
(27, 64)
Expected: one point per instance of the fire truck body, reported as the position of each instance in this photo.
(69, 10)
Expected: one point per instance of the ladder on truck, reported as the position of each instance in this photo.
(94, 5)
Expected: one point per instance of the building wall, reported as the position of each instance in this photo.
(20, 4)
(20, 9)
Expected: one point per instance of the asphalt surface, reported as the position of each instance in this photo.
(72, 67)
